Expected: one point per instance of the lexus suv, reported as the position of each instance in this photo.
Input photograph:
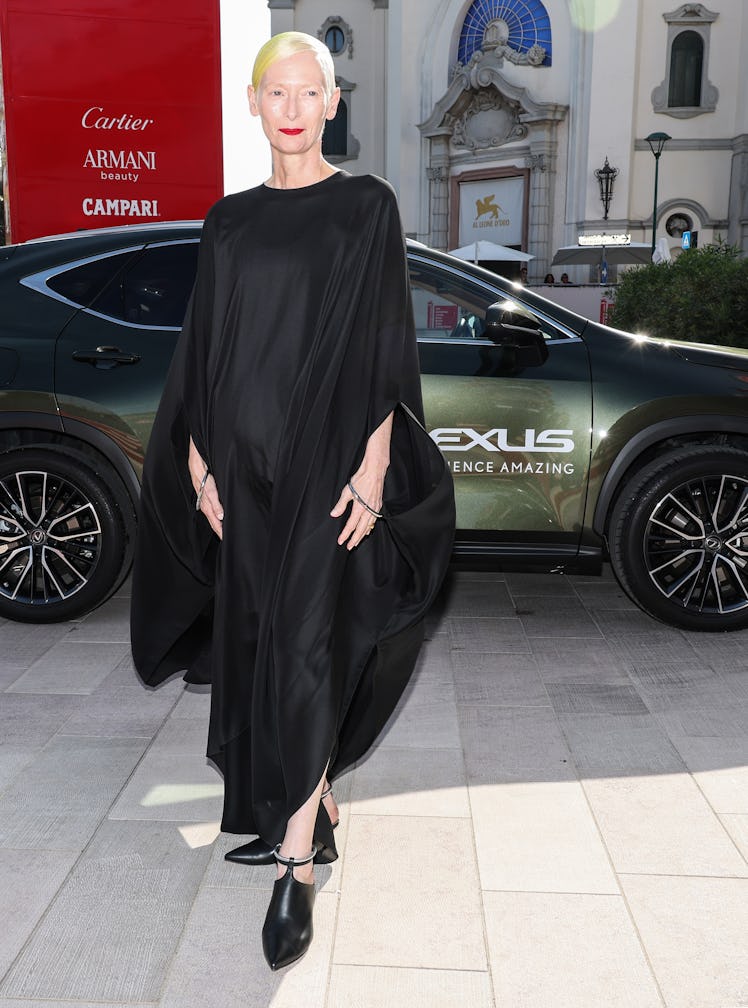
(569, 442)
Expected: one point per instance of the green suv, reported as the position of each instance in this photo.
(569, 442)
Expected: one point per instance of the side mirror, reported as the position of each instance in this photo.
(523, 341)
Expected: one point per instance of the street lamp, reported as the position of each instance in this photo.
(606, 176)
(656, 142)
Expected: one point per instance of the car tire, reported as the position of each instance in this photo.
(62, 537)
(678, 538)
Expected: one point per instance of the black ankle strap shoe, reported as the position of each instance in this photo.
(287, 931)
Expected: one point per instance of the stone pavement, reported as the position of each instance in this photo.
(557, 817)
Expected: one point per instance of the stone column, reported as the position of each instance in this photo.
(737, 212)
(438, 175)
(540, 215)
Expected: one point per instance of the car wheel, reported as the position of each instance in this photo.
(679, 538)
(62, 538)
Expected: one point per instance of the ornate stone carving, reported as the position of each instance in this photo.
(496, 45)
(490, 120)
(709, 99)
(336, 21)
(689, 12)
(536, 162)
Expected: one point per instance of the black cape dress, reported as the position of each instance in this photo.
(297, 343)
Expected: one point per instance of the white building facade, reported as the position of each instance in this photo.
(491, 117)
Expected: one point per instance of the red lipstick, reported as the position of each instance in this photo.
(292, 132)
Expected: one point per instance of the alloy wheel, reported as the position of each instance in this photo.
(50, 538)
(696, 544)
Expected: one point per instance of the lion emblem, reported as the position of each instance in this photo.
(487, 206)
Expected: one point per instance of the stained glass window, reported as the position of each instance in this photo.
(527, 22)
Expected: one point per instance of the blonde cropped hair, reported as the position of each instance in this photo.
(289, 44)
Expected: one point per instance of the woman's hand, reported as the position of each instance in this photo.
(210, 505)
(368, 482)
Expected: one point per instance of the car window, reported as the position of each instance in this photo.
(82, 283)
(446, 306)
(154, 289)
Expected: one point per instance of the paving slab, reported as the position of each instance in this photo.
(70, 667)
(612, 745)
(661, 824)
(9, 673)
(538, 836)
(578, 659)
(500, 680)
(426, 716)
(720, 768)
(62, 795)
(30, 720)
(603, 595)
(728, 721)
(505, 634)
(553, 585)
(685, 686)
(193, 702)
(594, 698)
(411, 782)
(660, 645)
(112, 930)
(566, 951)
(29, 880)
(124, 678)
(172, 786)
(24, 643)
(497, 740)
(13, 759)
(385, 987)
(413, 910)
(109, 624)
(694, 931)
(562, 617)
(737, 830)
(120, 713)
(479, 598)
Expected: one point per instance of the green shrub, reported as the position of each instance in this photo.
(702, 296)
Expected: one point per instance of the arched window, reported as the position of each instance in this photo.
(335, 137)
(686, 90)
(686, 69)
(521, 24)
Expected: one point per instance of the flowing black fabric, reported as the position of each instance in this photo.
(298, 343)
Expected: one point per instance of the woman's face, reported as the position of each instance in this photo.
(292, 104)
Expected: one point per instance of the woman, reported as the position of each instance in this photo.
(300, 513)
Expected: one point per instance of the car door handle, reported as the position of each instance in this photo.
(105, 357)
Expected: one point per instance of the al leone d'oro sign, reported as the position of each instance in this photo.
(113, 112)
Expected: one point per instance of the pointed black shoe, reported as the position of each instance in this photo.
(259, 852)
(287, 931)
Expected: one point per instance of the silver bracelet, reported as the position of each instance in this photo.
(362, 502)
(200, 489)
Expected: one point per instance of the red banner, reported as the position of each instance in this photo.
(113, 112)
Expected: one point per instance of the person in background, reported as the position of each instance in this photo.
(549, 278)
(564, 278)
(523, 274)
